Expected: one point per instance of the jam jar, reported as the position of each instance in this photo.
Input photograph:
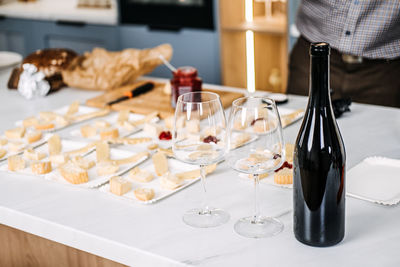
(184, 80)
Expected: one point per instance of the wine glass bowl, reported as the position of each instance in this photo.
(255, 146)
(199, 139)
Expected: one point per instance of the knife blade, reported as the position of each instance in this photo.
(133, 93)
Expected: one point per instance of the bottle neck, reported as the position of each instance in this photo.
(319, 94)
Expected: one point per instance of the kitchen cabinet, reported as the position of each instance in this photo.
(26, 36)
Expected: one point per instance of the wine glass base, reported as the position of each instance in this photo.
(200, 218)
(262, 227)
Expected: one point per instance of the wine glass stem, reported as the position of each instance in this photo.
(206, 209)
(256, 194)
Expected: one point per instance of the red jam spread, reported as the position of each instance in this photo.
(210, 139)
(165, 135)
(285, 165)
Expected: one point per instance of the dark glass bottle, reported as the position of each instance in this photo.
(319, 163)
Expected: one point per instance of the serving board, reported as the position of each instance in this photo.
(154, 100)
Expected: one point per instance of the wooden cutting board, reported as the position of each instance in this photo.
(154, 100)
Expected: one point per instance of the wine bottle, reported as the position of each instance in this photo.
(319, 163)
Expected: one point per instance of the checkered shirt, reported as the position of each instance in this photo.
(366, 28)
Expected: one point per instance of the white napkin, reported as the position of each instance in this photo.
(375, 179)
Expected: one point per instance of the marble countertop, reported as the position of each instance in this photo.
(154, 235)
(65, 10)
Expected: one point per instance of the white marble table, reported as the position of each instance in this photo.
(155, 235)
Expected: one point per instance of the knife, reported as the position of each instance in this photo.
(135, 92)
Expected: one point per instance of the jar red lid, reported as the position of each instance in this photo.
(186, 71)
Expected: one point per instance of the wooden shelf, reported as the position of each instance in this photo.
(275, 25)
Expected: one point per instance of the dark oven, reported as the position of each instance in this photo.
(168, 14)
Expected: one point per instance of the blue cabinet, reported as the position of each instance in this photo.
(197, 48)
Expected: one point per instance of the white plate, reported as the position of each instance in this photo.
(175, 166)
(9, 59)
(112, 120)
(94, 179)
(375, 179)
(66, 145)
(62, 111)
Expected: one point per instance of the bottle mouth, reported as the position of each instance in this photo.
(320, 49)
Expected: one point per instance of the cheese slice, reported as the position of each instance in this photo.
(73, 173)
(16, 163)
(47, 116)
(83, 163)
(54, 144)
(152, 129)
(3, 142)
(29, 122)
(3, 152)
(101, 124)
(144, 194)
(44, 125)
(170, 181)
(58, 159)
(41, 167)
(189, 175)
(160, 163)
(16, 133)
(33, 137)
(102, 152)
(119, 186)
(73, 108)
(109, 133)
(140, 175)
(88, 131)
(106, 168)
(33, 155)
(16, 146)
(123, 116)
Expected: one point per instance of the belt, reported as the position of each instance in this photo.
(350, 59)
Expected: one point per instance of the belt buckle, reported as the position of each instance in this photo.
(350, 59)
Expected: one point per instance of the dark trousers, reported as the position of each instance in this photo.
(372, 81)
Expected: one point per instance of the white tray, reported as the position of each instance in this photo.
(175, 166)
(375, 179)
(62, 111)
(94, 179)
(38, 143)
(112, 119)
(67, 145)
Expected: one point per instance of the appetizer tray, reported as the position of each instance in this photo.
(160, 193)
(96, 180)
(375, 179)
(24, 144)
(50, 121)
(67, 146)
(125, 128)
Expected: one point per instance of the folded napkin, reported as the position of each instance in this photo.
(375, 179)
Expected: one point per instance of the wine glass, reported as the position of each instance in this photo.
(255, 146)
(198, 138)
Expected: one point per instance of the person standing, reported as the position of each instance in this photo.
(365, 56)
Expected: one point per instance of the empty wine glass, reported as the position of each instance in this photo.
(255, 147)
(198, 138)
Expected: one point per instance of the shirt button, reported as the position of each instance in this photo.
(347, 32)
